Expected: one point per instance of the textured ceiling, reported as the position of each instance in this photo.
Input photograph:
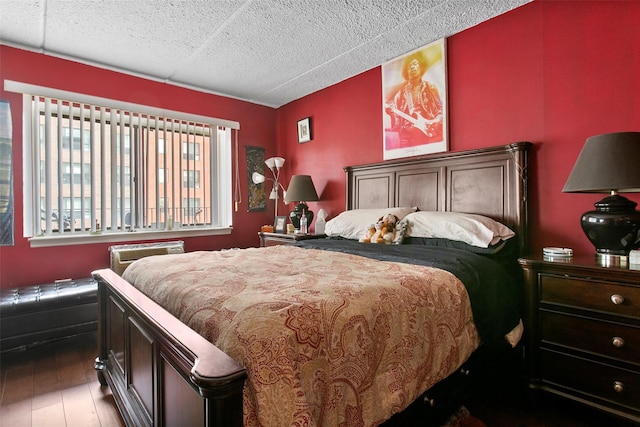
(269, 52)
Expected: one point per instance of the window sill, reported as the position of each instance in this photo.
(131, 236)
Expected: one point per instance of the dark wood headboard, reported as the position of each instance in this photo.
(488, 181)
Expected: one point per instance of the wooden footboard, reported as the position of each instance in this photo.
(161, 372)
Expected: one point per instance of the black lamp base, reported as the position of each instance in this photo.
(613, 228)
(297, 213)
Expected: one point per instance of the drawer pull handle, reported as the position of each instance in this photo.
(617, 299)
(617, 342)
(429, 401)
(618, 386)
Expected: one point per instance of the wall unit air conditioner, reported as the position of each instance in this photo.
(124, 255)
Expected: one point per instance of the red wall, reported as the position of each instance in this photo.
(549, 72)
(22, 265)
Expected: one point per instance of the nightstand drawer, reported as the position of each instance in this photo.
(273, 242)
(590, 294)
(603, 381)
(608, 339)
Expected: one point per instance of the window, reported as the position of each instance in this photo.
(67, 203)
(76, 141)
(126, 180)
(192, 209)
(191, 179)
(78, 175)
(191, 151)
(134, 173)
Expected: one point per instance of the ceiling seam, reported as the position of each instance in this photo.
(44, 24)
(352, 50)
(227, 22)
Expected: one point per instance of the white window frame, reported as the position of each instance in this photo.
(223, 167)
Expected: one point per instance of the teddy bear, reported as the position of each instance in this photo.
(368, 234)
(383, 231)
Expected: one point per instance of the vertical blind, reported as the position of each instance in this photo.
(101, 170)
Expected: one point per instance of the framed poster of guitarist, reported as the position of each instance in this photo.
(415, 102)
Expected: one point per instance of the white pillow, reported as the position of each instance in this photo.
(476, 230)
(352, 224)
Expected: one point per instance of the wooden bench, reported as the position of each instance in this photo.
(36, 314)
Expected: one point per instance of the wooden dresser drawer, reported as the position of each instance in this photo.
(608, 339)
(590, 294)
(606, 382)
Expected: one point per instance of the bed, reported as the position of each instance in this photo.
(307, 339)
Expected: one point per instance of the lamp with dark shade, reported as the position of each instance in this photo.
(301, 190)
(609, 163)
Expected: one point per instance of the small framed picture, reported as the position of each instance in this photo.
(304, 130)
(280, 224)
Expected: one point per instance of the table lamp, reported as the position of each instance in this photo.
(301, 190)
(608, 163)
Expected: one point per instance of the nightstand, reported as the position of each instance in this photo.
(272, 239)
(582, 325)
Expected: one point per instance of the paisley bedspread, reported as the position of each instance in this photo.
(327, 338)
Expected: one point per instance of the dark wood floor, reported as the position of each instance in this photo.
(55, 385)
